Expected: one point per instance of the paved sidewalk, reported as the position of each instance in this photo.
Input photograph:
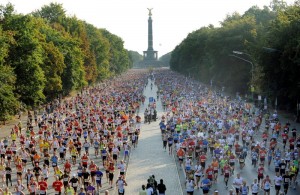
(149, 158)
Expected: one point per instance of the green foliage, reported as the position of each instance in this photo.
(99, 46)
(27, 58)
(204, 53)
(8, 100)
(46, 53)
(165, 59)
(119, 60)
(281, 64)
(270, 36)
(53, 13)
(135, 57)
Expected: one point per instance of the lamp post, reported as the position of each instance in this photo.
(298, 108)
(245, 60)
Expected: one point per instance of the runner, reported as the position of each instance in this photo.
(57, 185)
(121, 183)
(205, 185)
(255, 187)
(238, 182)
(277, 181)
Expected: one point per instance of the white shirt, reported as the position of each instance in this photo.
(190, 186)
(120, 184)
(237, 182)
(255, 188)
(277, 180)
(149, 191)
(121, 167)
(198, 170)
(267, 185)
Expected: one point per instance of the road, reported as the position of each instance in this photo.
(149, 158)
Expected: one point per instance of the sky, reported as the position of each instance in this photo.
(173, 20)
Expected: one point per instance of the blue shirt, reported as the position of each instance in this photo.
(98, 174)
(90, 189)
(217, 152)
(205, 183)
(205, 142)
(185, 134)
(176, 136)
(54, 159)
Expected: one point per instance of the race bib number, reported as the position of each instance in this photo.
(75, 184)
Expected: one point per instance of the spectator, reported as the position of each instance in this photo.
(161, 187)
(149, 189)
(143, 190)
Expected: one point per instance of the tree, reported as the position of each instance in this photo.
(134, 57)
(166, 59)
(27, 58)
(53, 13)
(119, 60)
(99, 47)
(8, 100)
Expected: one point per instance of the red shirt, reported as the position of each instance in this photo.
(84, 160)
(209, 173)
(19, 168)
(262, 154)
(43, 185)
(261, 171)
(284, 136)
(226, 170)
(68, 167)
(202, 158)
(111, 168)
(40, 132)
(93, 167)
(57, 185)
(9, 153)
(79, 130)
(237, 146)
(265, 136)
(272, 144)
(111, 145)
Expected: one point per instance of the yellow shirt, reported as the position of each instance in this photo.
(13, 136)
(41, 145)
(70, 191)
(58, 173)
(46, 145)
(216, 145)
(73, 152)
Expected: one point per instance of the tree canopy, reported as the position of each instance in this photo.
(47, 53)
(268, 38)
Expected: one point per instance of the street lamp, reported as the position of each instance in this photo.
(252, 66)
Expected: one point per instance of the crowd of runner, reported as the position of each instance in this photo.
(213, 135)
(81, 140)
(63, 144)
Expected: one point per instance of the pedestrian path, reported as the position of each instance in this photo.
(149, 158)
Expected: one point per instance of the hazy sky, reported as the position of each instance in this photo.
(173, 20)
